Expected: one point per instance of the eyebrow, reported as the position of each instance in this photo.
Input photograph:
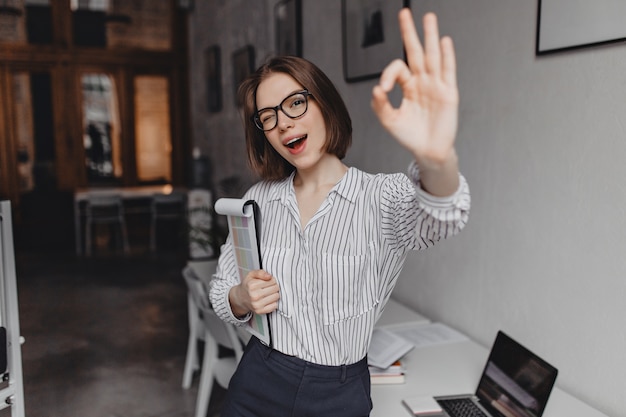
(288, 94)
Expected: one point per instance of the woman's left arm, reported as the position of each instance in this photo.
(426, 121)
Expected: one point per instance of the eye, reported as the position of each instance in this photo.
(265, 116)
(298, 100)
(267, 120)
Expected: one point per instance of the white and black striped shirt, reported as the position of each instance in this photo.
(337, 273)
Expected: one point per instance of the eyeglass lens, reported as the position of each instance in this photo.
(293, 106)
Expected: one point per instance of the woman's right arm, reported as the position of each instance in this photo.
(234, 301)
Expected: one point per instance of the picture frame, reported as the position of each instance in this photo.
(213, 62)
(288, 27)
(371, 36)
(243, 65)
(187, 5)
(563, 25)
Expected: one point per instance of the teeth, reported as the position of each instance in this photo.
(292, 142)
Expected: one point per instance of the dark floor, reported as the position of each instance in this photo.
(105, 336)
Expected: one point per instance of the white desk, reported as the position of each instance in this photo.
(396, 314)
(126, 193)
(455, 369)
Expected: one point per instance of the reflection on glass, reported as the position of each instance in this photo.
(153, 142)
(101, 128)
(101, 5)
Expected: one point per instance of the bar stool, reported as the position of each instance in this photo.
(105, 209)
(166, 207)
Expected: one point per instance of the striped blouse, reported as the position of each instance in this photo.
(337, 273)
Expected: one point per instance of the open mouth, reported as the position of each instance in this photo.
(295, 142)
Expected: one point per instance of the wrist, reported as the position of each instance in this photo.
(237, 306)
(437, 162)
(440, 176)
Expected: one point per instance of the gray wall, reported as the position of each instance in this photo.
(541, 141)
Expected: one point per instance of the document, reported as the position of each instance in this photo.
(244, 225)
(386, 348)
(429, 334)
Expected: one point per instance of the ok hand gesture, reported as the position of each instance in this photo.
(426, 121)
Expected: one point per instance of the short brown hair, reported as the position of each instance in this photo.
(263, 159)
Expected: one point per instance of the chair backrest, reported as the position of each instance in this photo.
(224, 333)
(104, 206)
(169, 205)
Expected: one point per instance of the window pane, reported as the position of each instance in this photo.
(38, 22)
(101, 128)
(24, 130)
(153, 142)
(144, 24)
(23, 21)
(34, 132)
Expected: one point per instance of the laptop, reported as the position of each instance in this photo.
(515, 383)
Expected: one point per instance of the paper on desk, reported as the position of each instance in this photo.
(429, 334)
(386, 348)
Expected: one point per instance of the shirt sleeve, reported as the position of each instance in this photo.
(414, 219)
(225, 277)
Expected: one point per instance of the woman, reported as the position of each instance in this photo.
(333, 238)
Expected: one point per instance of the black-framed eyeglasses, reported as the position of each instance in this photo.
(293, 106)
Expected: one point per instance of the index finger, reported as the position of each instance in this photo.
(260, 274)
(410, 39)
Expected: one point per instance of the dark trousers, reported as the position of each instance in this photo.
(268, 383)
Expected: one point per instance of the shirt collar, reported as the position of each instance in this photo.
(348, 187)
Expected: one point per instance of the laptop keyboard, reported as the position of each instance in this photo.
(461, 407)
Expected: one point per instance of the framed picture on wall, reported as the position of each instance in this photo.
(243, 65)
(288, 24)
(186, 5)
(213, 62)
(564, 24)
(371, 36)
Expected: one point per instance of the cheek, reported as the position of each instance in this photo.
(274, 142)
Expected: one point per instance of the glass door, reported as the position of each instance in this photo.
(102, 129)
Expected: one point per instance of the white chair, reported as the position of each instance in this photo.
(204, 324)
(202, 270)
(105, 209)
(171, 206)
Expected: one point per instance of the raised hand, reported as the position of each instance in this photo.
(426, 120)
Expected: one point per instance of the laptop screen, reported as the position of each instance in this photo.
(515, 381)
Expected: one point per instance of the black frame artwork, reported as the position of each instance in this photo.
(288, 27)
(563, 25)
(213, 62)
(371, 36)
(243, 65)
(187, 5)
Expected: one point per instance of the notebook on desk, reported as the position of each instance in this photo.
(515, 383)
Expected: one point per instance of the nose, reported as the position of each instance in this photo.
(284, 122)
